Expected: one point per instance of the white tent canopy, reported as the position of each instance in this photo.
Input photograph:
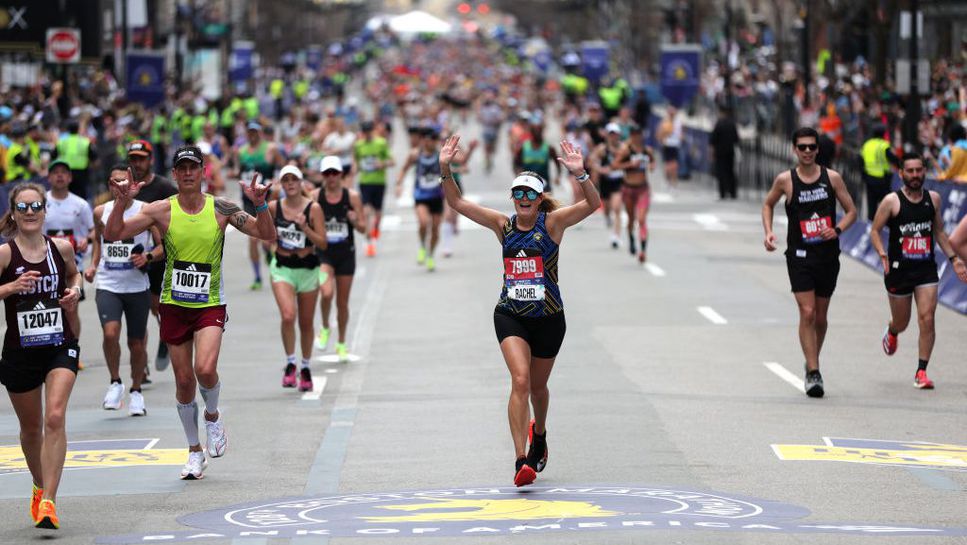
(416, 22)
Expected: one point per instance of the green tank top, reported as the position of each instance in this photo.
(536, 159)
(250, 160)
(193, 258)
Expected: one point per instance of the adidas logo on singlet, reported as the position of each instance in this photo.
(40, 306)
(191, 268)
(522, 253)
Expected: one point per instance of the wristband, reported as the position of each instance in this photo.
(584, 177)
(262, 207)
(838, 230)
(952, 258)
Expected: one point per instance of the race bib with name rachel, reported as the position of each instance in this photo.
(524, 277)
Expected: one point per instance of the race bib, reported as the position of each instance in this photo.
(336, 231)
(428, 181)
(117, 256)
(524, 277)
(190, 282)
(916, 248)
(368, 164)
(291, 237)
(811, 228)
(40, 323)
(643, 160)
(66, 234)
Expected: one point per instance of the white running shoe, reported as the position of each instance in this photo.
(195, 466)
(217, 439)
(136, 404)
(113, 397)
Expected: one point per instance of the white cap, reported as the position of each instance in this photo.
(330, 162)
(612, 127)
(205, 147)
(529, 181)
(290, 169)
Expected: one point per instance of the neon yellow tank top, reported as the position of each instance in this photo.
(193, 258)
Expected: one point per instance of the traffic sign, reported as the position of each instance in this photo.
(63, 45)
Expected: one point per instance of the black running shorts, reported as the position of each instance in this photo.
(544, 335)
(610, 186)
(134, 306)
(902, 283)
(342, 261)
(435, 205)
(372, 194)
(26, 369)
(813, 275)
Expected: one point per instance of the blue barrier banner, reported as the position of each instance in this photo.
(146, 77)
(314, 57)
(240, 63)
(681, 67)
(594, 61)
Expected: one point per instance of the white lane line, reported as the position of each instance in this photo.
(151, 445)
(318, 385)
(660, 197)
(710, 222)
(785, 375)
(655, 270)
(712, 316)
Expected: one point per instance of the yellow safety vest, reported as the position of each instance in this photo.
(73, 148)
(873, 152)
(14, 171)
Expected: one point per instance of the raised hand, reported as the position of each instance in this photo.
(573, 161)
(124, 190)
(449, 150)
(255, 191)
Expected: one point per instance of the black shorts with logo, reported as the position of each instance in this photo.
(23, 370)
(544, 335)
(902, 282)
(817, 275)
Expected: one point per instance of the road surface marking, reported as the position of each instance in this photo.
(655, 270)
(712, 316)
(318, 385)
(785, 375)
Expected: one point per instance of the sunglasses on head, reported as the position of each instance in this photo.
(807, 147)
(36, 206)
(529, 193)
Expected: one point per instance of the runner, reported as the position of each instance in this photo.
(340, 142)
(154, 188)
(260, 156)
(294, 274)
(910, 271)
(427, 194)
(529, 318)
(636, 159)
(193, 300)
(670, 135)
(40, 286)
(491, 117)
(958, 239)
(610, 180)
(373, 158)
(120, 269)
(535, 154)
(812, 244)
(343, 211)
(449, 227)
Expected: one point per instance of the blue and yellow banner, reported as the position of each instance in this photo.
(681, 69)
(146, 77)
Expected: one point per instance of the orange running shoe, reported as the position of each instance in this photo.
(370, 250)
(35, 498)
(921, 381)
(47, 516)
(525, 474)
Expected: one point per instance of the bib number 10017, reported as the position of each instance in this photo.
(191, 282)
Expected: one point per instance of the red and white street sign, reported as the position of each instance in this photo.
(63, 45)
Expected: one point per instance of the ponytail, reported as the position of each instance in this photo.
(548, 204)
(8, 226)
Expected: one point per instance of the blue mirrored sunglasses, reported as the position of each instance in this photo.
(530, 193)
(36, 206)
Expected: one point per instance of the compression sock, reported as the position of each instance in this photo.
(188, 412)
(210, 395)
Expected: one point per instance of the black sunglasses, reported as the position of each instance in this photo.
(36, 206)
(530, 193)
(805, 147)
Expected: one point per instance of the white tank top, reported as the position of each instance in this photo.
(115, 271)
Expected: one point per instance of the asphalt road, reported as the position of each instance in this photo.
(671, 418)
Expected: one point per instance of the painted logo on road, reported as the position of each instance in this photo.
(99, 454)
(870, 451)
(507, 511)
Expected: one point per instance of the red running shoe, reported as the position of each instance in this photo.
(889, 342)
(288, 379)
(305, 380)
(525, 475)
(921, 381)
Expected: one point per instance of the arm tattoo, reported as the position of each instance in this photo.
(226, 207)
(239, 219)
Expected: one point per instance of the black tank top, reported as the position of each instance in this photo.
(35, 320)
(811, 208)
(290, 235)
(911, 233)
(339, 230)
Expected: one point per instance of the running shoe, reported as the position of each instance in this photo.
(305, 380)
(195, 466)
(47, 516)
(420, 256)
(537, 453)
(921, 381)
(890, 342)
(80, 365)
(370, 250)
(524, 474)
(614, 241)
(35, 497)
(255, 286)
(322, 341)
(430, 264)
(288, 379)
(136, 404)
(631, 244)
(342, 352)
(641, 257)
(146, 380)
(113, 397)
(374, 234)
(162, 360)
(217, 438)
(814, 384)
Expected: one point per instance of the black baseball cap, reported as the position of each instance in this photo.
(366, 126)
(189, 153)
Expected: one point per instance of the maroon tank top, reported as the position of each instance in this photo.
(35, 319)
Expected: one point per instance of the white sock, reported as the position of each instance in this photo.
(447, 237)
(188, 412)
(305, 363)
(210, 395)
(290, 359)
